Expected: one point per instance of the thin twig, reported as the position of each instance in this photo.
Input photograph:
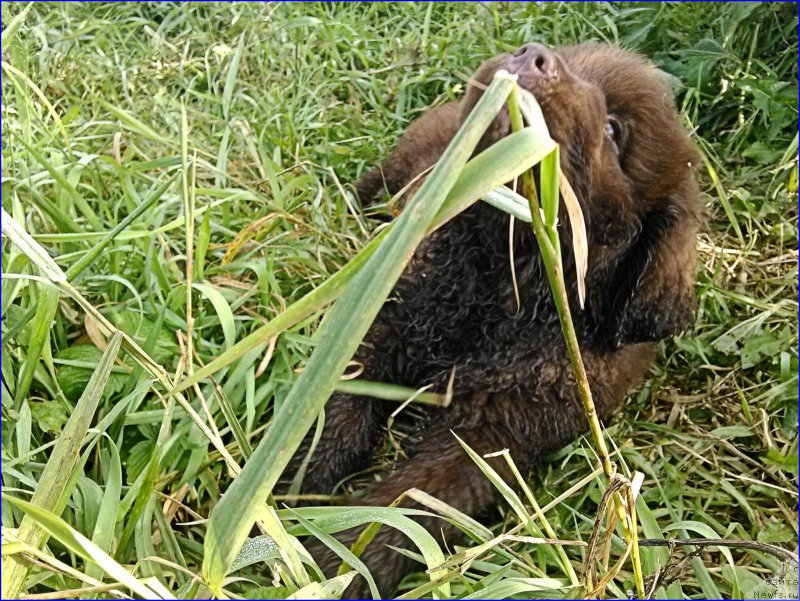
(774, 550)
(616, 484)
(670, 573)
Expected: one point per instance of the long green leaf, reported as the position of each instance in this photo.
(81, 264)
(330, 589)
(389, 392)
(233, 422)
(60, 466)
(273, 527)
(701, 572)
(339, 336)
(79, 544)
(137, 125)
(40, 328)
(510, 496)
(505, 489)
(495, 166)
(498, 164)
(17, 262)
(13, 26)
(462, 520)
(230, 78)
(342, 551)
(227, 96)
(32, 249)
(72, 192)
(331, 520)
(722, 196)
(508, 201)
(503, 589)
(223, 310)
(103, 534)
(14, 72)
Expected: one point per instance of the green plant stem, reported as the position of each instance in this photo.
(555, 275)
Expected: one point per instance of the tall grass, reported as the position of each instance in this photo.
(284, 105)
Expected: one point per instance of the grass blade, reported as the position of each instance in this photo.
(497, 165)
(14, 72)
(60, 180)
(466, 523)
(330, 589)
(81, 264)
(390, 392)
(342, 551)
(274, 528)
(223, 310)
(503, 589)
(233, 422)
(230, 78)
(79, 544)
(331, 520)
(508, 201)
(11, 288)
(505, 490)
(103, 534)
(16, 23)
(137, 125)
(724, 200)
(59, 468)
(40, 334)
(32, 249)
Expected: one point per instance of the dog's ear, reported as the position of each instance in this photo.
(664, 301)
(418, 148)
(369, 186)
(648, 293)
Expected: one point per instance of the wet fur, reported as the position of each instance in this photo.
(455, 307)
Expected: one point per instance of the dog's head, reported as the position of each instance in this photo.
(631, 165)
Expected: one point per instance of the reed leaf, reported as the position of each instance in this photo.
(495, 166)
(338, 337)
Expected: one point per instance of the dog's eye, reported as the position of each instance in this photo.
(613, 130)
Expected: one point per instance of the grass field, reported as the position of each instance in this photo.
(252, 120)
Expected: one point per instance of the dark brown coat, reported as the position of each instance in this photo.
(630, 163)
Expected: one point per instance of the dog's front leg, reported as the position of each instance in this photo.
(350, 433)
(441, 468)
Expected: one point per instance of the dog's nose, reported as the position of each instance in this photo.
(533, 59)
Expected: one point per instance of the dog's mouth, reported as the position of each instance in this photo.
(542, 72)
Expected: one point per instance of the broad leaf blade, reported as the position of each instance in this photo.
(338, 338)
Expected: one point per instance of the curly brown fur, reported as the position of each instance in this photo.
(455, 309)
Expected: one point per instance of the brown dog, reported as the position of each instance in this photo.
(455, 311)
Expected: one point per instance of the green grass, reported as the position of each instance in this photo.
(285, 106)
